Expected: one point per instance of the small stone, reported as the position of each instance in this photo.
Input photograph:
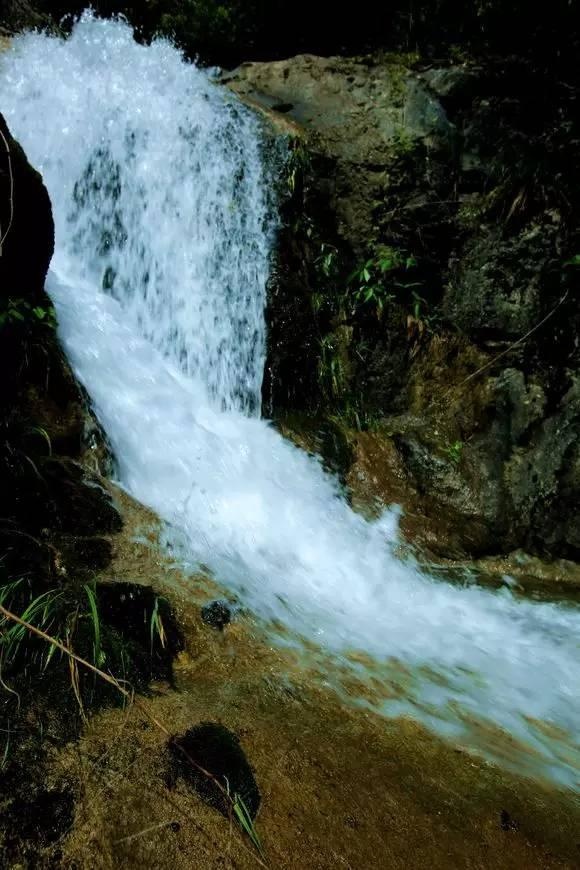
(217, 614)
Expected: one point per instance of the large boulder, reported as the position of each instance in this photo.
(363, 114)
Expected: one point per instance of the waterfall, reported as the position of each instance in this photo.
(164, 229)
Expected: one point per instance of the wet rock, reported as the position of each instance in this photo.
(72, 500)
(495, 290)
(218, 751)
(451, 82)
(44, 413)
(84, 556)
(360, 114)
(26, 221)
(144, 627)
(543, 479)
(218, 614)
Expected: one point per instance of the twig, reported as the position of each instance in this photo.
(143, 832)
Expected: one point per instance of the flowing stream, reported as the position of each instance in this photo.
(165, 225)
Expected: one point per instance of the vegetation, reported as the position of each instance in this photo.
(15, 311)
(244, 819)
(229, 31)
(382, 277)
(454, 451)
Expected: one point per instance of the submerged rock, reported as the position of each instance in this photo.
(218, 614)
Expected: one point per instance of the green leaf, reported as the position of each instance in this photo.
(96, 623)
(573, 261)
(245, 822)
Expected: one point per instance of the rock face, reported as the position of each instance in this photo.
(26, 221)
(361, 114)
(455, 341)
(53, 511)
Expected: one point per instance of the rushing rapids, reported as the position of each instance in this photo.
(165, 226)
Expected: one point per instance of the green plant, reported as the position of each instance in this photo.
(98, 654)
(331, 369)
(20, 311)
(296, 166)
(376, 281)
(454, 451)
(327, 260)
(156, 626)
(41, 611)
(243, 817)
(245, 821)
(353, 416)
(65, 612)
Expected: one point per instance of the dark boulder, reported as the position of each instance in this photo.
(210, 748)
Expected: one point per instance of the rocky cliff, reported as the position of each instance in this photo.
(426, 288)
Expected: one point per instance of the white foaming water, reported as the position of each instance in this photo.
(163, 238)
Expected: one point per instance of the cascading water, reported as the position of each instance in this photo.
(164, 232)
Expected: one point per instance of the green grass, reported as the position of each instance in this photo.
(41, 611)
(245, 822)
(98, 655)
(156, 626)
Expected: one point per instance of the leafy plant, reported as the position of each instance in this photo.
(353, 416)
(376, 281)
(573, 261)
(454, 451)
(20, 311)
(243, 817)
(327, 260)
